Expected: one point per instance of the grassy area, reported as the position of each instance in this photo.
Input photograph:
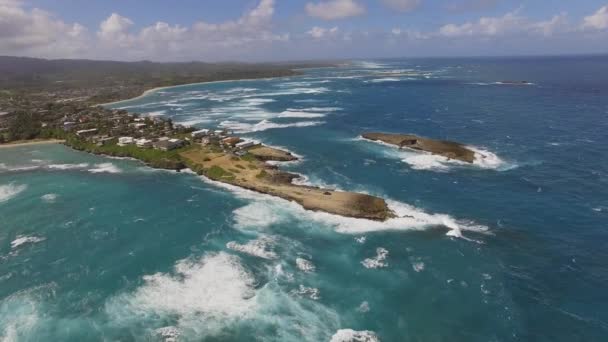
(155, 158)
(218, 173)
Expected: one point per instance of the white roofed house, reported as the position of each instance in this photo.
(123, 141)
(143, 143)
(86, 132)
(244, 144)
(166, 144)
(200, 133)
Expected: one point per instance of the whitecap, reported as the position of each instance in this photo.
(418, 266)
(22, 240)
(349, 335)
(309, 292)
(49, 198)
(9, 191)
(156, 113)
(379, 261)
(105, 168)
(67, 166)
(385, 79)
(260, 247)
(305, 265)
(242, 127)
(215, 287)
(363, 307)
(299, 114)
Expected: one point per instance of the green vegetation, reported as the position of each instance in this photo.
(262, 174)
(216, 172)
(155, 158)
(249, 157)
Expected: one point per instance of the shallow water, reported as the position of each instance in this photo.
(509, 249)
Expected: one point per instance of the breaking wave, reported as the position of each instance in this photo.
(242, 127)
(22, 240)
(349, 335)
(260, 247)
(9, 191)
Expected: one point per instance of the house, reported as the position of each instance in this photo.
(86, 132)
(200, 133)
(122, 141)
(138, 125)
(231, 141)
(68, 125)
(143, 143)
(166, 144)
(104, 141)
(244, 144)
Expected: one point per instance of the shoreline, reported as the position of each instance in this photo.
(31, 143)
(154, 90)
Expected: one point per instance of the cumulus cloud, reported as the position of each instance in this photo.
(598, 20)
(402, 5)
(334, 9)
(36, 31)
(549, 27)
(486, 26)
(321, 32)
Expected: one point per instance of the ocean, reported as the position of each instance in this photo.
(511, 248)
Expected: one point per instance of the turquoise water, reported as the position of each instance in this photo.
(512, 248)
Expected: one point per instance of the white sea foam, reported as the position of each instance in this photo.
(242, 127)
(67, 166)
(363, 307)
(379, 261)
(349, 335)
(105, 168)
(22, 240)
(385, 79)
(260, 247)
(299, 114)
(49, 198)
(213, 288)
(266, 210)
(305, 265)
(369, 65)
(317, 109)
(309, 292)
(420, 160)
(9, 191)
(156, 113)
(19, 315)
(168, 334)
(418, 265)
(360, 240)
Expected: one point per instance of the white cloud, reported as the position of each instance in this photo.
(550, 27)
(35, 31)
(321, 32)
(402, 5)
(486, 26)
(334, 9)
(598, 20)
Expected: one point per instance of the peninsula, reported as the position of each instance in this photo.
(448, 149)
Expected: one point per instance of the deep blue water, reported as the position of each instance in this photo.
(512, 248)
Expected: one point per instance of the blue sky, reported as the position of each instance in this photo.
(253, 30)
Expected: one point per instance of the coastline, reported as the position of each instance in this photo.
(31, 143)
(154, 90)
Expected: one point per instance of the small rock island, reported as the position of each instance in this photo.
(448, 149)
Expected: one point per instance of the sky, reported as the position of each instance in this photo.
(274, 30)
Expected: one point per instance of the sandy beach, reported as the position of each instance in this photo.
(31, 143)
